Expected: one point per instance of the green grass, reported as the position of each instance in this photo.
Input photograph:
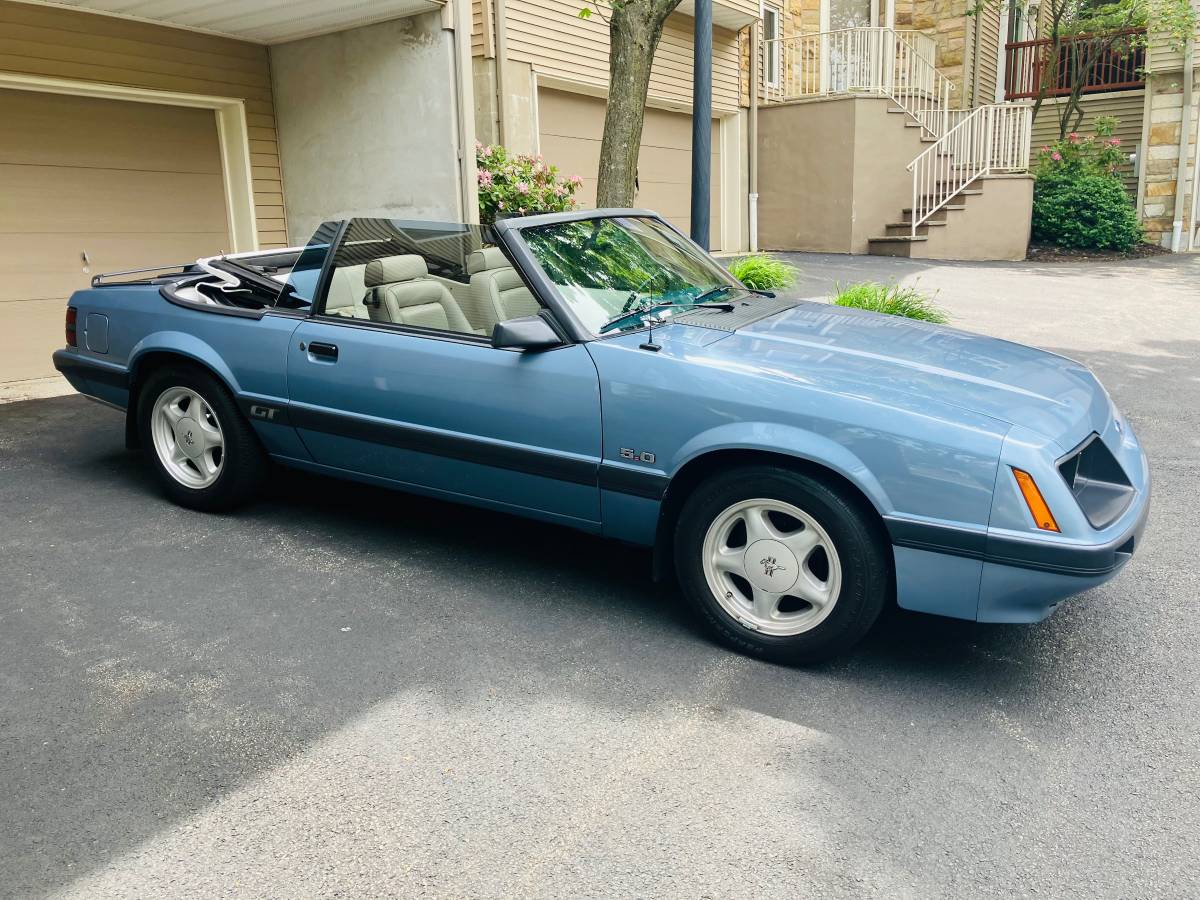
(763, 273)
(892, 299)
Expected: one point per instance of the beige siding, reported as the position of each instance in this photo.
(1126, 106)
(550, 36)
(986, 51)
(58, 43)
(1162, 55)
(481, 29)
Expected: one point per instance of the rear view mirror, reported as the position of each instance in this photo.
(525, 333)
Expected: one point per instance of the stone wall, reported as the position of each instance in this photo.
(1165, 98)
(947, 22)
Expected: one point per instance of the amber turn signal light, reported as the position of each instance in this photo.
(1034, 500)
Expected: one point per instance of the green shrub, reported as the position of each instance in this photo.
(520, 185)
(1092, 212)
(762, 273)
(1078, 197)
(892, 299)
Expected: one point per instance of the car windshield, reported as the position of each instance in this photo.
(614, 271)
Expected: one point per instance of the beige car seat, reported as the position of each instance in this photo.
(497, 291)
(401, 293)
(347, 289)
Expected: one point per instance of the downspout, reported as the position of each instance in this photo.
(755, 46)
(465, 98)
(1185, 127)
(1195, 195)
(501, 60)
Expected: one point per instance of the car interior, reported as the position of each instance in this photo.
(400, 290)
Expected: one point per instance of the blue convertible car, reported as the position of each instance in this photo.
(794, 465)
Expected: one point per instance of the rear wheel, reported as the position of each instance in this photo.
(779, 564)
(205, 454)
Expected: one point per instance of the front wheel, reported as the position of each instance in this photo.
(204, 452)
(779, 564)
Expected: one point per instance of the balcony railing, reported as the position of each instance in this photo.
(1033, 69)
(878, 62)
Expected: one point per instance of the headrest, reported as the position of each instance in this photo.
(488, 258)
(345, 288)
(390, 269)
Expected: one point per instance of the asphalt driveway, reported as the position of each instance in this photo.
(348, 692)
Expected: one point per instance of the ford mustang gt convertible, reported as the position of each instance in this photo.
(795, 466)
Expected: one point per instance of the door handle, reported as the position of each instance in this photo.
(324, 351)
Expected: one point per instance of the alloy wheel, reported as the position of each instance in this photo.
(187, 437)
(772, 567)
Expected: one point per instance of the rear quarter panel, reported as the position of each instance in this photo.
(248, 354)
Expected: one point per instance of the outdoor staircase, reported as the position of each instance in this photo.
(950, 178)
(965, 150)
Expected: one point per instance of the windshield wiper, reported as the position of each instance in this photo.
(721, 288)
(712, 292)
(642, 310)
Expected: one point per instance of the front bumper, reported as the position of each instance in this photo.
(1024, 581)
(1015, 575)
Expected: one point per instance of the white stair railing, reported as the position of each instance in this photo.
(990, 139)
(875, 61)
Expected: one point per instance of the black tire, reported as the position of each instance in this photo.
(865, 564)
(244, 464)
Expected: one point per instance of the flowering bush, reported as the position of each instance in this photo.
(1098, 154)
(511, 185)
(1079, 199)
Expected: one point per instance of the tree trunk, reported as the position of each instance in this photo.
(635, 30)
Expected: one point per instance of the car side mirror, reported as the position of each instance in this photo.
(525, 333)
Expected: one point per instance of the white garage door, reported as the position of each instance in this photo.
(90, 186)
(570, 127)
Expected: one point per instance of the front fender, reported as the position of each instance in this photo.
(771, 437)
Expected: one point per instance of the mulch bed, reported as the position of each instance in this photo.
(1051, 253)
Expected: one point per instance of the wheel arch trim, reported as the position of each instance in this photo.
(175, 345)
(810, 452)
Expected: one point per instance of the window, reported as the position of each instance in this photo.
(428, 275)
(772, 33)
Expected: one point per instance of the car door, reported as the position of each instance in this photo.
(410, 392)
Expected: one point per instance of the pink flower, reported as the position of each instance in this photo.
(522, 187)
(1115, 142)
(1046, 149)
(1073, 137)
(575, 180)
(485, 178)
(500, 204)
(1056, 156)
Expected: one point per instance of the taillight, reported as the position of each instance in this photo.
(72, 315)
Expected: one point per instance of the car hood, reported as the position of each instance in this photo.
(864, 354)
